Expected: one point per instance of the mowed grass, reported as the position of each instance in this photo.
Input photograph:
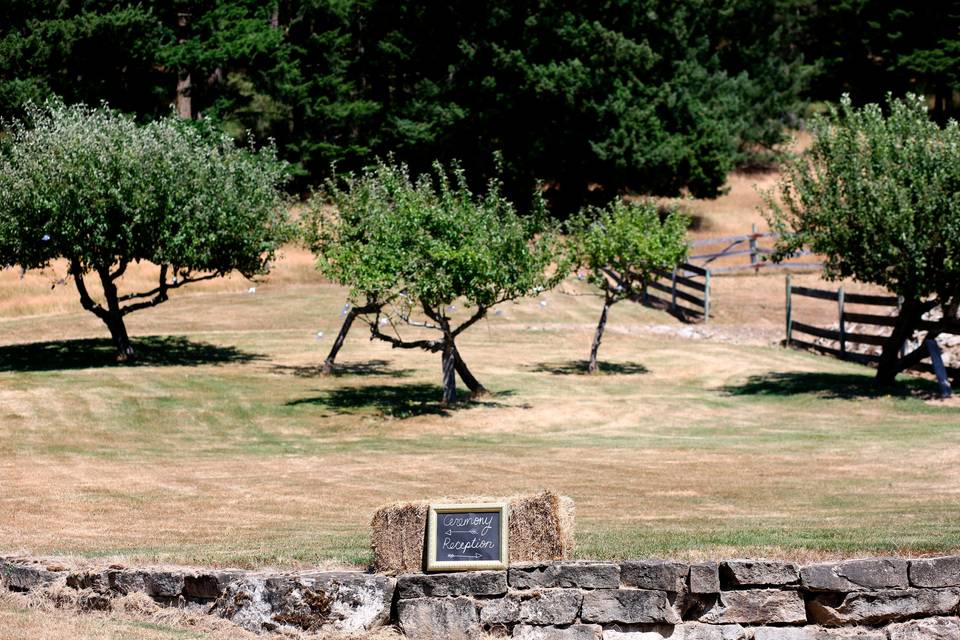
(225, 445)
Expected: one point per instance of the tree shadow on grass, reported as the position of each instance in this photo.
(579, 367)
(846, 386)
(395, 401)
(364, 368)
(91, 353)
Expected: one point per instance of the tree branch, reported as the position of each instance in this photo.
(166, 286)
(85, 300)
(120, 269)
(481, 311)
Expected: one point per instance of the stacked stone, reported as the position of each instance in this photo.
(868, 599)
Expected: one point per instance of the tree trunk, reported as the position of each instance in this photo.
(889, 365)
(184, 84)
(592, 365)
(114, 318)
(449, 372)
(477, 390)
(344, 330)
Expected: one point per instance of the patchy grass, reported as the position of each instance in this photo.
(225, 445)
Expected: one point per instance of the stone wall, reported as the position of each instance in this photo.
(867, 599)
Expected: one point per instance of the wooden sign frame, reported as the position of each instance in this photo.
(445, 565)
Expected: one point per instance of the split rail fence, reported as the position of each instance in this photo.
(846, 341)
(745, 253)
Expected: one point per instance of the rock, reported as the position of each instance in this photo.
(164, 584)
(935, 572)
(358, 601)
(582, 575)
(705, 577)
(345, 601)
(855, 575)
(573, 632)
(757, 573)
(208, 586)
(439, 618)
(98, 581)
(757, 606)
(555, 606)
(127, 582)
(929, 629)
(876, 607)
(468, 583)
(817, 633)
(628, 606)
(499, 611)
(659, 575)
(685, 631)
(24, 577)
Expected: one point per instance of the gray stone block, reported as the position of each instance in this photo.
(24, 576)
(553, 606)
(877, 607)
(628, 606)
(98, 581)
(928, 629)
(126, 582)
(685, 631)
(855, 575)
(209, 585)
(582, 575)
(757, 606)
(817, 633)
(500, 611)
(935, 572)
(164, 584)
(573, 632)
(757, 573)
(468, 583)
(438, 619)
(705, 577)
(661, 575)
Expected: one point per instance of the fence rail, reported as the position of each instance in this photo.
(687, 290)
(846, 339)
(745, 245)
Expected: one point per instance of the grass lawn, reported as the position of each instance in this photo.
(225, 446)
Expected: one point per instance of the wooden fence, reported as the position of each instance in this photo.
(845, 339)
(688, 288)
(745, 252)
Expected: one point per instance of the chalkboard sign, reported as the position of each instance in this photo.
(464, 537)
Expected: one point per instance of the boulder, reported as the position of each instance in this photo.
(208, 585)
(935, 572)
(164, 584)
(877, 607)
(757, 606)
(581, 575)
(662, 575)
(757, 573)
(468, 583)
(856, 575)
(553, 607)
(628, 606)
(439, 618)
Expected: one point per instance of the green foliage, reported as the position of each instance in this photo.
(622, 244)
(427, 241)
(878, 197)
(94, 187)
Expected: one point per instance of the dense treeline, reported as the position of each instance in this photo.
(591, 98)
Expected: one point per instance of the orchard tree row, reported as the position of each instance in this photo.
(591, 99)
(878, 195)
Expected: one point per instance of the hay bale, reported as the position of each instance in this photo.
(541, 529)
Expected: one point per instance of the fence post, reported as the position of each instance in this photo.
(843, 328)
(706, 296)
(789, 310)
(673, 290)
(753, 245)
